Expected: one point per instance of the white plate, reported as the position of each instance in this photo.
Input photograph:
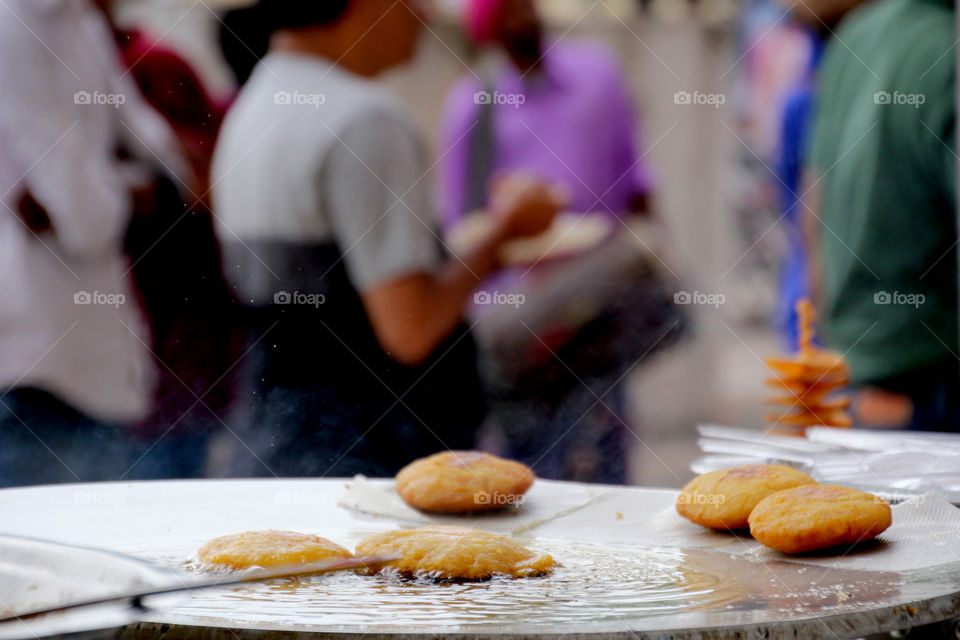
(631, 569)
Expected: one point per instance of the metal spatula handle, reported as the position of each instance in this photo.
(134, 599)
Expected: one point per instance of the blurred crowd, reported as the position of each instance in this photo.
(274, 270)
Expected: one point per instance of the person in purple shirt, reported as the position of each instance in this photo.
(561, 111)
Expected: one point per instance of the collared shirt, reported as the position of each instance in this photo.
(69, 322)
(571, 121)
(883, 153)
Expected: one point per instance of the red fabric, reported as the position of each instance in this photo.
(174, 89)
(480, 19)
(176, 257)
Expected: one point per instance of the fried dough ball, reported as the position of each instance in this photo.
(818, 517)
(463, 482)
(724, 499)
(445, 552)
(268, 549)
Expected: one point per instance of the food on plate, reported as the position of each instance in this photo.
(818, 517)
(570, 234)
(463, 482)
(805, 384)
(448, 553)
(267, 549)
(724, 499)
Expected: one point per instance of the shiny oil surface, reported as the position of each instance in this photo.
(613, 583)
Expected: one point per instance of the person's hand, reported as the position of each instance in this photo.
(32, 214)
(525, 205)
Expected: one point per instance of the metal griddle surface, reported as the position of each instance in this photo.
(606, 587)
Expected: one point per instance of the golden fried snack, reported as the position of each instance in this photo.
(724, 499)
(463, 482)
(804, 383)
(818, 517)
(444, 552)
(268, 549)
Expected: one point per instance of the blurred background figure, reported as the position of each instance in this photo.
(360, 358)
(243, 37)
(794, 140)
(562, 110)
(172, 87)
(883, 168)
(81, 155)
(569, 374)
(559, 109)
(813, 21)
(176, 267)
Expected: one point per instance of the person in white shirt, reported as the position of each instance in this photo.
(361, 358)
(79, 150)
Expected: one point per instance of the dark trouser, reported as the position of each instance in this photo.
(937, 410)
(549, 416)
(43, 440)
(935, 393)
(323, 432)
(173, 452)
(581, 439)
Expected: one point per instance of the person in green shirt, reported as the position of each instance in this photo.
(882, 210)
